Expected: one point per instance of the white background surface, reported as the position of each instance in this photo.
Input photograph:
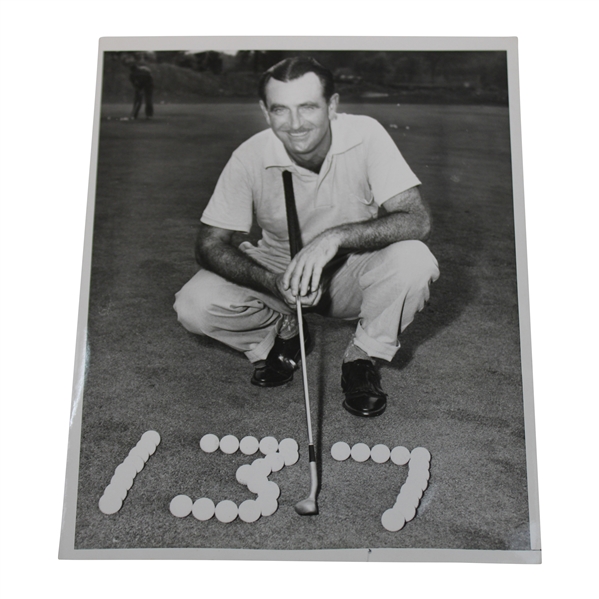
(48, 72)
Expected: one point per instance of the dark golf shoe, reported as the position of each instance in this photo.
(361, 384)
(283, 359)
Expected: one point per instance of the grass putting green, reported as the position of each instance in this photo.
(455, 386)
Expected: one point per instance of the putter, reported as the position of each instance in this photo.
(308, 506)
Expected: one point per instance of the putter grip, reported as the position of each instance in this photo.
(295, 236)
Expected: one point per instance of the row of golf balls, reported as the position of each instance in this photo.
(360, 452)
(125, 473)
(411, 492)
(225, 511)
(249, 445)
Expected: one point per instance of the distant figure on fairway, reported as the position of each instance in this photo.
(143, 82)
(362, 222)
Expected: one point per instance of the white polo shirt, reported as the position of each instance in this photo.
(362, 170)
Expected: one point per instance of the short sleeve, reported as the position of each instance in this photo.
(231, 204)
(388, 171)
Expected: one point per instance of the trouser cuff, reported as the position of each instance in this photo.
(374, 348)
(262, 349)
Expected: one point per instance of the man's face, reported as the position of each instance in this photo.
(300, 116)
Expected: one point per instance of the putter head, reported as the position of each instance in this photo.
(306, 507)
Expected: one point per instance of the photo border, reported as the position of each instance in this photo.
(509, 45)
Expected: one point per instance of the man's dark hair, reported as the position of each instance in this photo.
(294, 68)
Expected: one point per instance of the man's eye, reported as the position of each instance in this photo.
(277, 110)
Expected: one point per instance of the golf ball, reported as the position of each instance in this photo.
(203, 509)
(275, 460)
(380, 454)
(400, 456)
(249, 445)
(268, 445)
(117, 490)
(226, 511)
(360, 452)
(420, 455)
(229, 444)
(393, 520)
(291, 458)
(249, 511)
(340, 451)
(151, 437)
(288, 446)
(209, 443)
(268, 505)
(135, 461)
(243, 474)
(181, 506)
(261, 467)
(110, 504)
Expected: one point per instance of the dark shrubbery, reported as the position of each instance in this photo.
(417, 77)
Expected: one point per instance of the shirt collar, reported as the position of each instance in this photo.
(275, 153)
(345, 138)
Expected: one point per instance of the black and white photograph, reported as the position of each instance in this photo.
(121, 124)
(306, 330)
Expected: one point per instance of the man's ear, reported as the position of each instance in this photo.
(333, 103)
(265, 112)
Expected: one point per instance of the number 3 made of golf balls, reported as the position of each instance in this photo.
(276, 455)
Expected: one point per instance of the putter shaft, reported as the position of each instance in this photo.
(307, 506)
(304, 369)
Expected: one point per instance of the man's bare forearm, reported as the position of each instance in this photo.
(229, 262)
(406, 217)
(380, 232)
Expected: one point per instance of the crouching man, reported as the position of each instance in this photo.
(362, 221)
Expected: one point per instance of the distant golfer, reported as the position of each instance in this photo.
(143, 83)
(363, 224)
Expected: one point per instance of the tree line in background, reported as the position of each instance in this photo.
(476, 76)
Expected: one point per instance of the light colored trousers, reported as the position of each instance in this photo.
(383, 289)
